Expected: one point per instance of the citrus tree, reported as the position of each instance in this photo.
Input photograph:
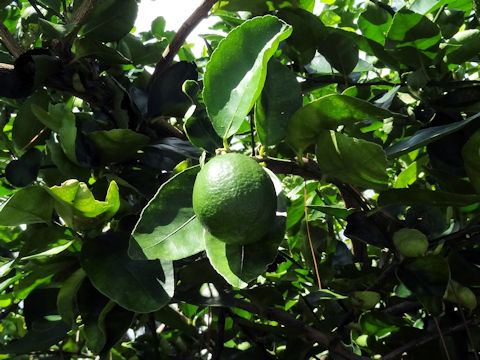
(306, 188)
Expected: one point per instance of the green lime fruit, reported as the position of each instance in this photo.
(234, 199)
(460, 294)
(366, 299)
(410, 242)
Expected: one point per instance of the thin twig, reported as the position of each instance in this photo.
(442, 338)
(317, 273)
(177, 42)
(153, 330)
(33, 140)
(9, 41)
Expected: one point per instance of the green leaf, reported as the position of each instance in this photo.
(239, 264)
(86, 47)
(60, 119)
(201, 133)
(471, 160)
(26, 125)
(426, 277)
(465, 45)
(24, 170)
(111, 20)
(117, 144)
(328, 113)
(355, 161)
(340, 51)
(76, 205)
(29, 205)
(63, 163)
(413, 30)
(374, 22)
(333, 210)
(66, 300)
(54, 31)
(137, 285)
(281, 98)
(425, 197)
(308, 31)
(426, 136)
(237, 69)
(37, 339)
(168, 228)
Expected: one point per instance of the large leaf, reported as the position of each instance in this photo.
(374, 22)
(137, 285)
(329, 112)
(236, 72)
(117, 144)
(111, 20)
(413, 31)
(29, 205)
(426, 277)
(76, 205)
(60, 119)
(465, 45)
(239, 264)
(281, 98)
(340, 51)
(168, 228)
(426, 136)
(355, 161)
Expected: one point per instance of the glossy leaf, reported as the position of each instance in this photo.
(426, 136)
(426, 277)
(66, 300)
(352, 160)
(280, 99)
(85, 47)
(29, 205)
(332, 210)
(237, 69)
(328, 113)
(118, 144)
(168, 228)
(137, 285)
(201, 133)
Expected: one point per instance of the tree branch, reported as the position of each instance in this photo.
(9, 41)
(285, 319)
(84, 10)
(395, 354)
(172, 49)
(309, 170)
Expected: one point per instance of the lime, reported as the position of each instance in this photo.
(234, 199)
(410, 242)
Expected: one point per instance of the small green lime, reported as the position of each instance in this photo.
(410, 242)
(234, 199)
(366, 299)
(458, 293)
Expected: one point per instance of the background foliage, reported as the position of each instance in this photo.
(365, 114)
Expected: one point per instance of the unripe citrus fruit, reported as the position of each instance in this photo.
(366, 299)
(458, 293)
(410, 242)
(234, 199)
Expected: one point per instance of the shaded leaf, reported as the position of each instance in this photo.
(465, 45)
(281, 97)
(24, 170)
(471, 158)
(425, 197)
(137, 285)
(360, 227)
(426, 136)
(426, 277)
(237, 69)
(352, 160)
(66, 300)
(29, 205)
(168, 228)
(333, 210)
(374, 22)
(117, 144)
(201, 133)
(340, 51)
